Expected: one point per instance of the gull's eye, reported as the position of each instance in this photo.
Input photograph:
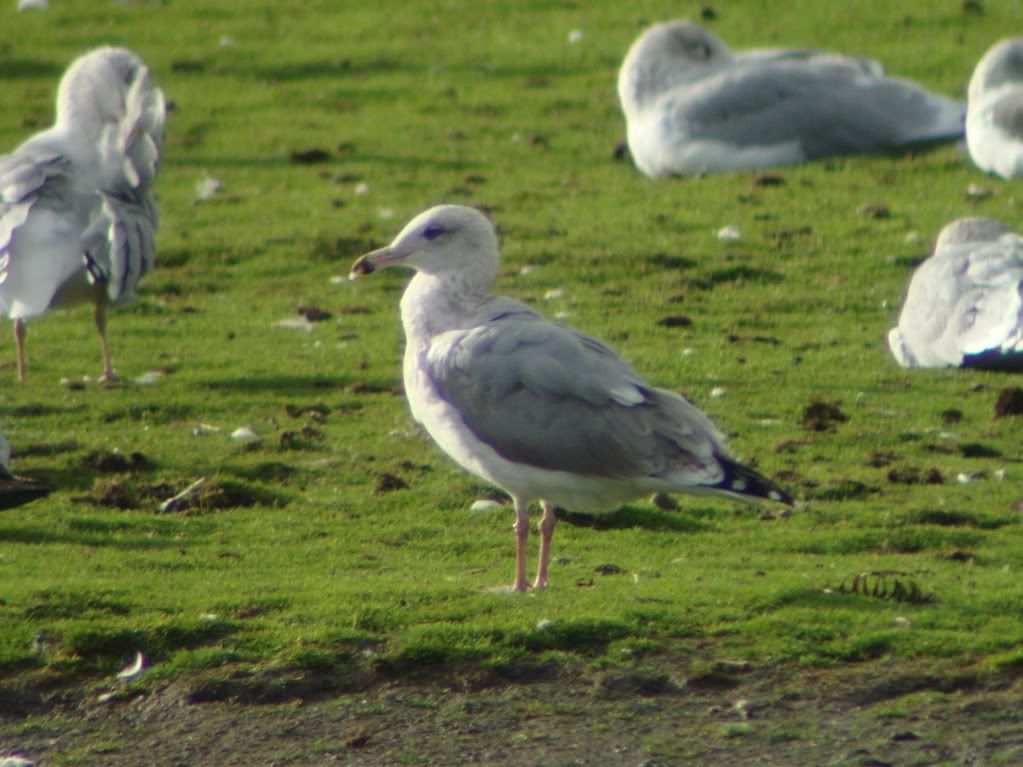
(433, 231)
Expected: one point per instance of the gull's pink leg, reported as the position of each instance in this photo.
(546, 528)
(101, 326)
(19, 346)
(521, 535)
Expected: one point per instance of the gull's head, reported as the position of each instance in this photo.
(447, 239)
(96, 85)
(1001, 65)
(970, 229)
(665, 56)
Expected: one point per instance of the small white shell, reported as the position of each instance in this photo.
(729, 234)
(134, 670)
(207, 187)
(244, 434)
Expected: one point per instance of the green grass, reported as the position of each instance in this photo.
(306, 566)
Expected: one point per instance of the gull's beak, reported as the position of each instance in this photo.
(375, 259)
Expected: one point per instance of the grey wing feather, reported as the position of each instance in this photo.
(119, 245)
(854, 64)
(30, 176)
(546, 396)
(965, 300)
(990, 313)
(120, 240)
(1007, 113)
(130, 149)
(828, 108)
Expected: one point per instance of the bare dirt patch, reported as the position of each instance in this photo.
(673, 713)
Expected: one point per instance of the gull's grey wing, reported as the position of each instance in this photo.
(989, 316)
(828, 107)
(119, 245)
(965, 300)
(549, 397)
(129, 150)
(36, 199)
(1007, 113)
(28, 176)
(856, 64)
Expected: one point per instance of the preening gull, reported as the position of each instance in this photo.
(17, 491)
(77, 216)
(540, 410)
(692, 106)
(994, 114)
(964, 306)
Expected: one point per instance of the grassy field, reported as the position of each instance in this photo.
(307, 554)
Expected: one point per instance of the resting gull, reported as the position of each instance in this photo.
(77, 216)
(540, 410)
(964, 306)
(692, 106)
(994, 113)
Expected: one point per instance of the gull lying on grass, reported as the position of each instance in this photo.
(77, 217)
(994, 114)
(17, 491)
(538, 409)
(964, 306)
(692, 106)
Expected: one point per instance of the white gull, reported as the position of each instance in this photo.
(692, 106)
(994, 114)
(538, 409)
(77, 216)
(964, 306)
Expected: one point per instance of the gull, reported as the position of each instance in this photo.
(964, 306)
(77, 216)
(17, 491)
(994, 113)
(538, 409)
(692, 106)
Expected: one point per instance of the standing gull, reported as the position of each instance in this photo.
(692, 106)
(77, 216)
(994, 114)
(964, 306)
(538, 409)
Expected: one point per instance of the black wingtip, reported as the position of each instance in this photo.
(744, 483)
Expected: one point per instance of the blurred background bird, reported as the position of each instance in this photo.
(77, 216)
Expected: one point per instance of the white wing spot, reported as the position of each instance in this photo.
(774, 495)
(739, 485)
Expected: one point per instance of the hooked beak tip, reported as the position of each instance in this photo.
(363, 265)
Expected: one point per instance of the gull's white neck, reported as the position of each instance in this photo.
(434, 304)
